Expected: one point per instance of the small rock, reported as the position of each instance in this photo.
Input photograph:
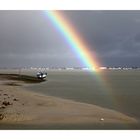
(2, 107)
(1, 116)
(6, 103)
(15, 99)
(102, 119)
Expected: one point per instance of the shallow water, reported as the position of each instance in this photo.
(118, 90)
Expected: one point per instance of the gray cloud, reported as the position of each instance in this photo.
(113, 35)
(28, 38)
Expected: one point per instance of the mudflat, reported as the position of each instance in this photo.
(20, 106)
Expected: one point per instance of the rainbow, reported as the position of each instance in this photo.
(80, 47)
(74, 40)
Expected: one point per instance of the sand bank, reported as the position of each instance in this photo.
(20, 106)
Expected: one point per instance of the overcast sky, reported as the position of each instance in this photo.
(28, 38)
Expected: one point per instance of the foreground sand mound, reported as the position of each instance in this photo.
(18, 105)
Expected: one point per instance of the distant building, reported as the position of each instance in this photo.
(103, 68)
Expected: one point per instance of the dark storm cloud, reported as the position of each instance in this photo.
(113, 35)
(28, 38)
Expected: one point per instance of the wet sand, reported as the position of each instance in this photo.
(18, 106)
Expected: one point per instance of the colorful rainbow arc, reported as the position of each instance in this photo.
(80, 47)
(73, 38)
(81, 50)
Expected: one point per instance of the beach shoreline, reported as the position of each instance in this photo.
(20, 106)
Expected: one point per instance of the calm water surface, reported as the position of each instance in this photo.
(118, 90)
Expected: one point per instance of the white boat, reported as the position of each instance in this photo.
(41, 75)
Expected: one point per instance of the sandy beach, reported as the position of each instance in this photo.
(20, 106)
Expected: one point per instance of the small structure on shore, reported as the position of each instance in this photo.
(41, 75)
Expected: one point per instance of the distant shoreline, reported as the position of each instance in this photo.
(22, 107)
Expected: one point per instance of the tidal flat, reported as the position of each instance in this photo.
(113, 89)
(72, 100)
